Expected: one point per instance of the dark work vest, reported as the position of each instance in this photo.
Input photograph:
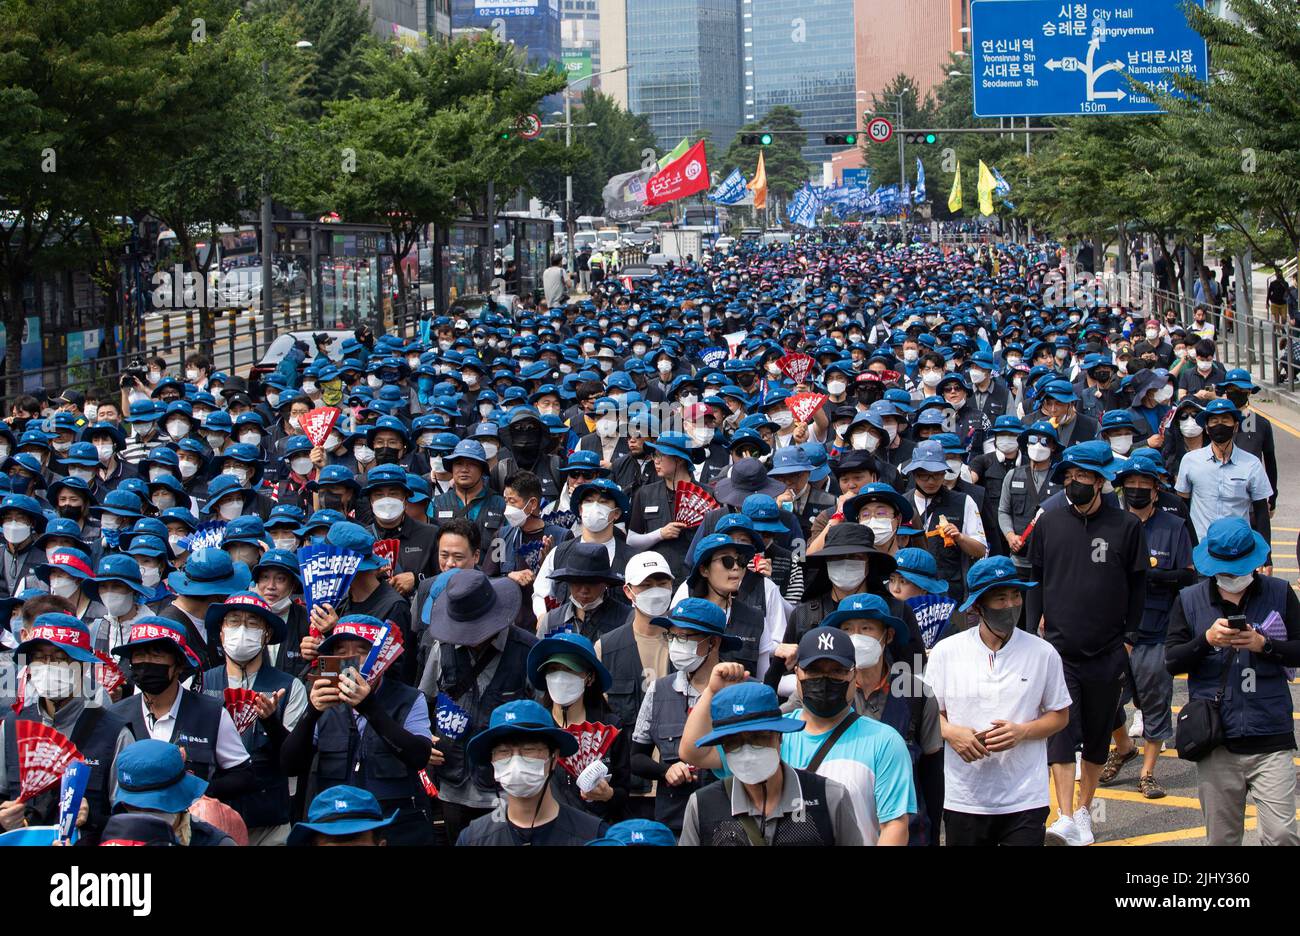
(1266, 709)
(366, 760)
(652, 507)
(904, 716)
(622, 553)
(951, 560)
(509, 682)
(753, 593)
(1025, 499)
(268, 805)
(197, 721)
(745, 623)
(573, 827)
(717, 826)
(95, 735)
(619, 654)
(667, 725)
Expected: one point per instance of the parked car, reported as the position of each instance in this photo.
(274, 354)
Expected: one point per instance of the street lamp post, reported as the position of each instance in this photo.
(568, 178)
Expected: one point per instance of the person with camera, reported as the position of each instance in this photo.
(1236, 634)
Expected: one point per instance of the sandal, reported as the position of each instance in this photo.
(1150, 787)
(1114, 763)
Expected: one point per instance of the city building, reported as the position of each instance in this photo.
(580, 40)
(397, 21)
(684, 58)
(533, 25)
(612, 15)
(435, 20)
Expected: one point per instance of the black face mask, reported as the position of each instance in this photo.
(332, 502)
(70, 512)
(1220, 434)
(1080, 493)
(1102, 377)
(1238, 398)
(152, 678)
(1138, 497)
(824, 697)
(1002, 621)
(386, 456)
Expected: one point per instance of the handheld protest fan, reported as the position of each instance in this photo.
(72, 789)
(803, 405)
(690, 503)
(594, 739)
(450, 720)
(317, 423)
(43, 755)
(208, 535)
(386, 549)
(111, 675)
(242, 706)
(796, 366)
(713, 357)
(327, 572)
(388, 646)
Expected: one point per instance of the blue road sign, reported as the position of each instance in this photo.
(860, 178)
(1038, 58)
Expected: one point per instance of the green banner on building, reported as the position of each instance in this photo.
(577, 64)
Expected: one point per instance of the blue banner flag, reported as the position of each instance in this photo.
(918, 193)
(732, 189)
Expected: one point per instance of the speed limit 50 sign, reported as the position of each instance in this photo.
(880, 130)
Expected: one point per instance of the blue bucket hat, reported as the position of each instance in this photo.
(1238, 379)
(248, 530)
(1218, 407)
(867, 606)
(711, 544)
(222, 486)
(919, 568)
(151, 775)
(340, 811)
(789, 461)
(71, 562)
(353, 536)
(927, 456)
(64, 631)
(677, 445)
(1094, 456)
(562, 645)
(210, 571)
(764, 513)
(604, 487)
(747, 706)
(283, 559)
(884, 493)
(251, 602)
(335, 474)
(993, 572)
(637, 832)
(470, 450)
(699, 614)
(513, 719)
(585, 461)
(27, 505)
(121, 568)
(387, 476)
(1230, 547)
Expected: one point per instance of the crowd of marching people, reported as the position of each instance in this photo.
(839, 542)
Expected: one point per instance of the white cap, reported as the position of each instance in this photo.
(643, 565)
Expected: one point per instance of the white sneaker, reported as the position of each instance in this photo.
(1062, 831)
(1135, 729)
(1082, 827)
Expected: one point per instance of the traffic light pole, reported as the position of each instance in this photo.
(902, 163)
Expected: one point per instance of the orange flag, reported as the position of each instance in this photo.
(758, 185)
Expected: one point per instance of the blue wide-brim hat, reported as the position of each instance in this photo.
(1230, 547)
(340, 811)
(701, 615)
(919, 568)
(565, 644)
(606, 488)
(151, 775)
(210, 571)
(745, 707)
(246, 601)
(993, 572)
(520, 717)
(1095, 456)
(866, 606)
(677, 445)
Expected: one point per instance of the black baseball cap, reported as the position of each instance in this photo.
(826, 643)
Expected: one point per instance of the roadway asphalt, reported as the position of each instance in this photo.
(1121, 816)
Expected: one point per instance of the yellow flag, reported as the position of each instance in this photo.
(954, 199)
(987, 185)
(758, 184)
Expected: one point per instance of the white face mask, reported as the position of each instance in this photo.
(589, 605)
(1039, 453)
(83, 474)
(607, 427)
(188, 469)
(1204, 367)
(702, 435)
(664, 367)
(178, 428)
(164, 500)
(931, 378)
(595, 517)
(1189, 427)
(1234, 583)
(1151, 334)
(118, 603)
(520, 776)
(374, 381)
(1121, 444)
(364, 454)
(65, 586)
(1007, 445)
(239, 474)
(490, 449)
(688, 399)
(105, 450)
(250, 438)
(388, 508)
(653, 601)
(882, 528)
(242, 643)
(846, 573)
(1165, 394)
(485, 410)
(867, 650)
(191, 374)
(783, 418)
(910, 355)
(1013, 360)
(684, 656)
(150, 576)
(954, 468)
(836, 387)
(301, 466)
(309, 386)
(978, 376)
(216, 440)
(110, 522)
(52, 680)
(285, 541)
(515, 516)
(230, 509)
(754, 764)
(564, 687)
(436, 467)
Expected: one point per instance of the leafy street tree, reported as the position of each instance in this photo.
(787, 170)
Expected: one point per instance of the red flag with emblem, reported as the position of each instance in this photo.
(686, 175)
(317, 423)
(594, 739)
(43, 755)
(803, 405)
(690, 503)
(796, 366)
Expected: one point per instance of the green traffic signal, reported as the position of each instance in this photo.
(765, 139)
(931, 139)
(851, 138)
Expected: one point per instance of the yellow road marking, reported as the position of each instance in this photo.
(1157, 838)
(1132, 796)
(1283, 425)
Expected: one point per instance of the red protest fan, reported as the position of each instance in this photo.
(386, 549)
(803, 405)
(242, 706)
(796, 366)
(317, 423)
(594, 739)
(392, 648)
(691, 503)
(111, 677)
(43, 755)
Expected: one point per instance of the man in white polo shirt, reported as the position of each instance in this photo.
(1001, 694)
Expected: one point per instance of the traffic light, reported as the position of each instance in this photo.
(756, 139)
(841, 139)
(505, 134)
(920, 139)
